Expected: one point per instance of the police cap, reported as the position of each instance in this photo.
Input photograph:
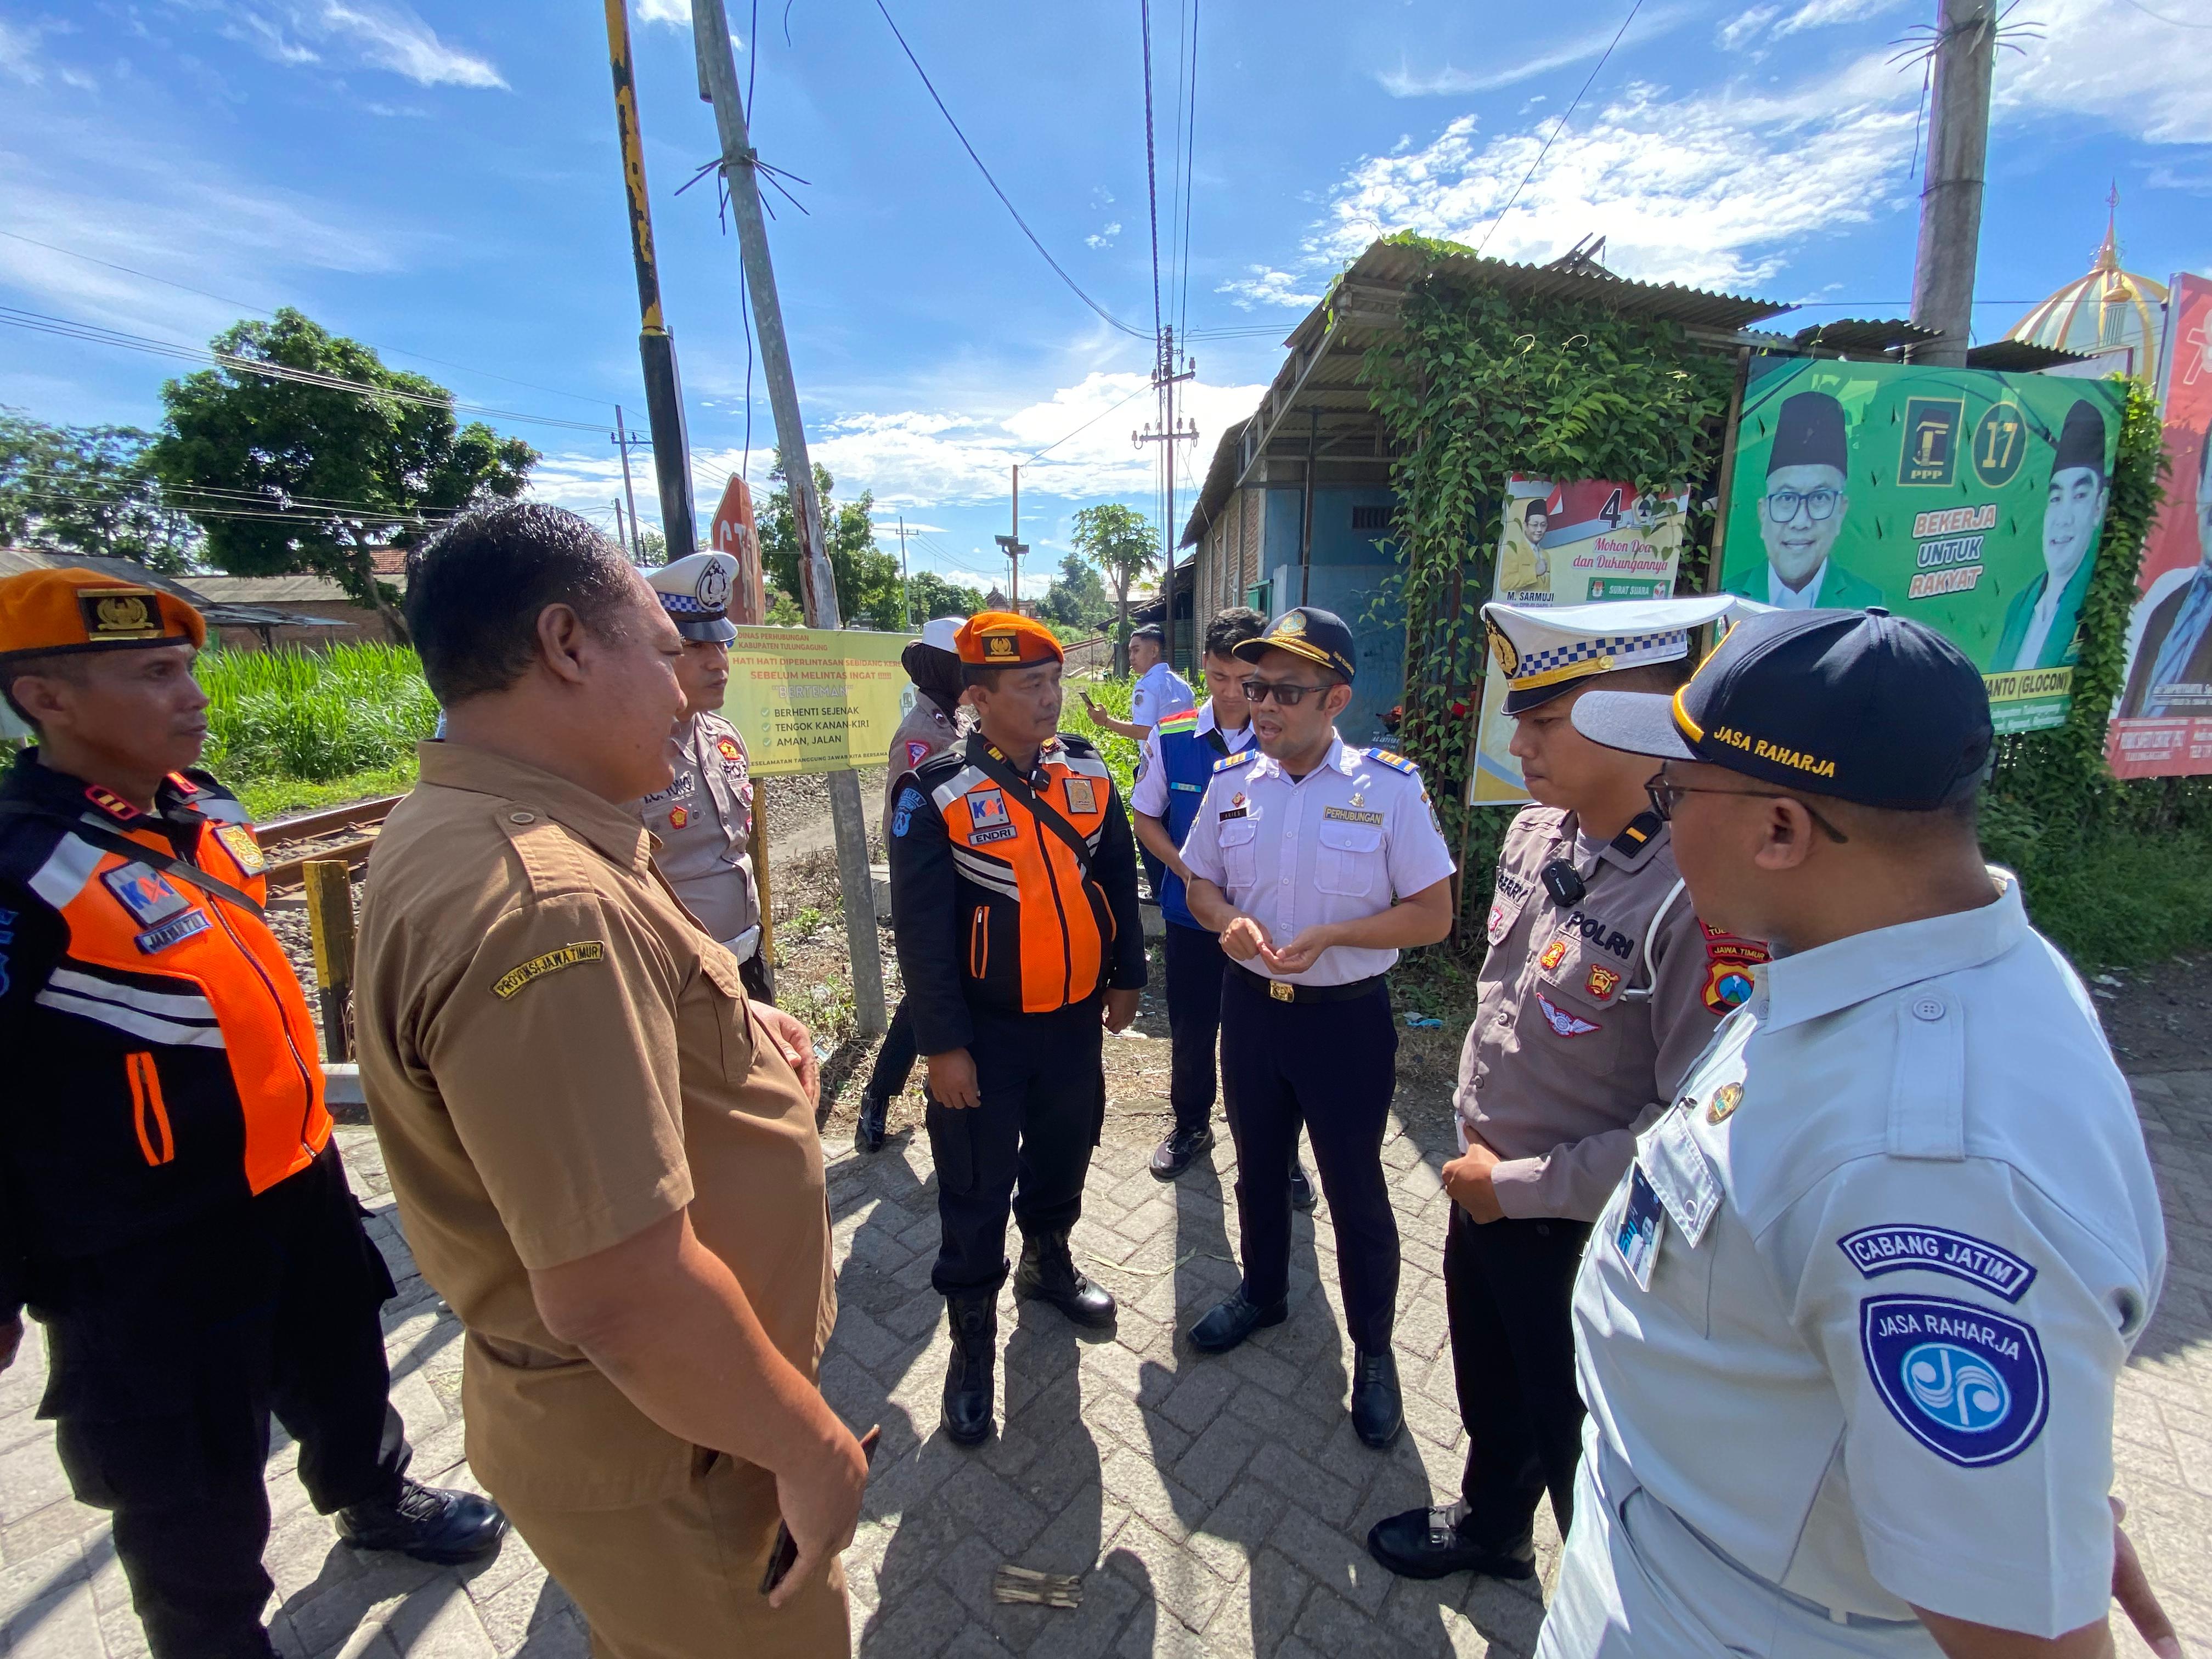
(695, 590)
(48, 613)
(1310, 632)
(1858, 704)
(1543, 650)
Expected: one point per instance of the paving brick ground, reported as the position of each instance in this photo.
(1215, 1505)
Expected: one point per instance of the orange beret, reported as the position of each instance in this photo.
(44, 612)
(1000, 638)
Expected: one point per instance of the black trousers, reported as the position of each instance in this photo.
(1027, 1146)
(752, 973)
(1509, 1286)
(168, 1359)
(1332, 1067)
(895, 1059)
(1195, 964)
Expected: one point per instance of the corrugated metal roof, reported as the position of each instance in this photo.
(1361, 312)
(1856, 335)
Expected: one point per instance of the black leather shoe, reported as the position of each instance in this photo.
(1430, 1544)
(868, 1134)
(1047, 1274)
(1377, 1412)
(1179, 1151)
(427, 1522)
(975, 1320)
(1301, 1194)
(1231, 1322)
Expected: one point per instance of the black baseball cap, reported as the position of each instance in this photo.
(1858, 704)
(1310, 632)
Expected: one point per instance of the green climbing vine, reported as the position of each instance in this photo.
(1477, 386)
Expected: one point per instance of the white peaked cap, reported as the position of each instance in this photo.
(940, 633)
(1542, 649)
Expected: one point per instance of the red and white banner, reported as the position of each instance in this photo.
(2162, 726)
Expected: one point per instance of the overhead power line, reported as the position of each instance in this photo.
(1088, 424)
(262, 311)
(1006, 201)
(68, 328)
(1561, 127)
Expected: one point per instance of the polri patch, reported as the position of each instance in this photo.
(1554, 954)
(1563, 1022)
(1878, 1250)
(144, 893)
(728, 750)
(916, 752)
(1968, 1384)
(238, 840)
(1728, 987)
(588, 950)
(1600, 982)
(678, 816)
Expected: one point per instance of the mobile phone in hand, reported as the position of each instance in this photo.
(784, 1555)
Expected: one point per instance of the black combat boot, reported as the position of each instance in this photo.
(1047, 1273)
(974, 1316)
(868, 1135)
(427, 1522)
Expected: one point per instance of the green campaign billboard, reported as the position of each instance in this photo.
(1963, 498)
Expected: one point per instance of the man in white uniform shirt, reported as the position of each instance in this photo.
(1314, 862)
(1851, 1328)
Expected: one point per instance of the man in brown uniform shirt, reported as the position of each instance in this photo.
(1599, 988)
(605, 1156)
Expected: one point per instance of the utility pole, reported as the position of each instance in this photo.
(1965, 52)
(717, 85)
(1014, 549)
(621, 536)
(906, 581)
(1168, 434)
(656, 348)
(629, 494)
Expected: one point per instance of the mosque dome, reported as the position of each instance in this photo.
(2108, 312)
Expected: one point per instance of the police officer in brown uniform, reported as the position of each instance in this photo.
(172, 1207)
(1599, 988)
(703, 820)
(604, 1152)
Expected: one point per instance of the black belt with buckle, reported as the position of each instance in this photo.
(1283, 990)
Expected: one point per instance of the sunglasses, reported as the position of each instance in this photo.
(1288, 693)
(1664, 793)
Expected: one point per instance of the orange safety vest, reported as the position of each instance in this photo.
(162, 1055)
(1038, 934)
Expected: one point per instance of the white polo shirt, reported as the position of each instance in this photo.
(1150, 796)
(1159, 692)
(1348, 839)
(1906, 1236)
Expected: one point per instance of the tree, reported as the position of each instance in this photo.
(1119, 543)
(867, 578)
(88, 490)
(1077, 599)
(318, 478)
(929, 594)
(651, 548)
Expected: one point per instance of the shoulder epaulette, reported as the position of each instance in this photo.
(1638, 835)
(1395, 761)
(1179, 722)
(1230, 763)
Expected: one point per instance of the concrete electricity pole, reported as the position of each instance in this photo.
(717, 85)
(906, 589)
(1013, 548)
(656, 347)
(629, 494)
(1168, 434)
(1964, 54)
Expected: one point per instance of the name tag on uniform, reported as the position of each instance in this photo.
(1232, 812)
(1680, 1177)
(1642, 1225)
(1347, 815)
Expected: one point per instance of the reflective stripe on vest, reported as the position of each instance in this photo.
(1188, 761)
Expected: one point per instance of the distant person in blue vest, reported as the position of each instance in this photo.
(1179, 757)
(1802, 514)
(2038, 630)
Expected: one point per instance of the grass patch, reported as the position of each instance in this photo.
(2121, 901)
(316, 717)
(270, 798)
(1118, 753)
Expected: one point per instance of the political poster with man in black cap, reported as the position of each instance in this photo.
(1968, 499)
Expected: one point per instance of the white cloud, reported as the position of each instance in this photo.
(1744, 25)
(1407, 83)
(1266, 286)
(375, 34)
(1819, 13)
(1105, 236)
(2107, 60)
(675, 12)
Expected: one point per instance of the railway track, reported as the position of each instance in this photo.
(343, 833)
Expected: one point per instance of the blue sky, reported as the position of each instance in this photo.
(441, 180)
